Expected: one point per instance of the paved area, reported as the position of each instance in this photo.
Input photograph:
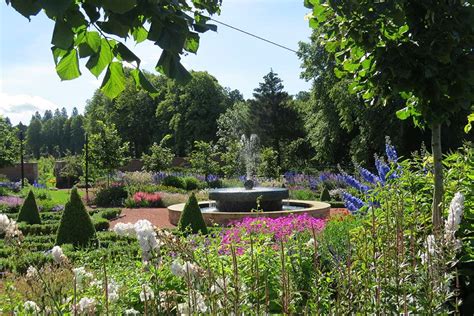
(159, 216)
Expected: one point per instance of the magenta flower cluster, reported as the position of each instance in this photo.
(279, 229)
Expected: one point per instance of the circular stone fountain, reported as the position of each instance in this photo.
(233, 204)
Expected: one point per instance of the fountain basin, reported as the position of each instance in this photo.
(212, 216)
(243, 200)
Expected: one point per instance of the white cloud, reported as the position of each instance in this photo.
(20, 107)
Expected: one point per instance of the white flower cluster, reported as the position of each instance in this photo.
(199, 307)
(145, 233)
(220, 285)
(31, 307)
(131, 312)
(456, 209)
(430, 245)
(58, 255)
(310, 243)
(180, 270)
(32, 273)
(146, 293)
(112, 290)
(81, 276)
(8, 227)
(87, 306)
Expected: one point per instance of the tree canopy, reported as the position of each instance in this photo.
(96, 31)
(9, 153)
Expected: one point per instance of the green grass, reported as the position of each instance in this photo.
(47, 197)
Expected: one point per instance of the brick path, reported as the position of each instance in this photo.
(159, 216)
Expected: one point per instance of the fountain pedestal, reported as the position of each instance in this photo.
(243, 200)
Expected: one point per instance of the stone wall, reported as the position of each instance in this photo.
(13, 173)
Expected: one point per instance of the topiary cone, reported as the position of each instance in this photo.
(325, 196)
(29, 212)
(192, 217)
(76, 225)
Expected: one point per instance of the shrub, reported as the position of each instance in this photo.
(325, 195)
(192, 183)
(191, 218)
(160, 158)
(337, 204)
(100, 223)
(217, 183)
(174, 181)
(144, 199)
(110, 214)
(29, 210)
(268, 167)
(76, 226)
(38, 229)
(306, 195)
(111, 196)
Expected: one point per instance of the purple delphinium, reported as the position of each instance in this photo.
(212, 178)
(353, 182)
(368, 176)
(353, 204)
(390, 150)
(313, 183)
(58, 208)
(382, 169)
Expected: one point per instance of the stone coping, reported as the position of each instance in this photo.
(313, 208)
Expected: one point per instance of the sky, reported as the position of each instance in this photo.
(29, 83)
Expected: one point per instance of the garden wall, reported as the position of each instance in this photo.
(13, 173)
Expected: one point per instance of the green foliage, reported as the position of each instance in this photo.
(100, 223)
(193, 184)
(76, 225)
(268, 167)
(9, 153)
(174, 27)
(306, 195)
(203, 159)
(29, 210)
(111, 196)
(325, 195)
(159, 159)
(106, 150)
(173, 181)
(72, 169)
(46, 171)
(191, 218)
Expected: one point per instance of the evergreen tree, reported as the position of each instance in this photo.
(76, 225)
(191, 217)
(29, 212)
(8, 143)
(34, 136)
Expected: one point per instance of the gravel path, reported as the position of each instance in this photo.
(159, 216)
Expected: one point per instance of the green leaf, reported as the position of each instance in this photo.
(169, 65)
(126, 54)
(192, 42)
(139, 34)
(119, 6)
(403, 29)
(58, 53)
(97, 63)
(470, 120)
(63, 36)
(114, 80)
(93, 40)
(55, 8)
(142, 81)
(91, 11)
(204, 27)
(172, 37)
(338, 73)
(26, 8)
(68, 67)
(404, 113)
(113, 26)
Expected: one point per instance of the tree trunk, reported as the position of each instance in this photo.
(438, 175)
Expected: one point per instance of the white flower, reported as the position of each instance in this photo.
(177, 269)
(147, 293)
(58, 254)
(81, 274)
(32, 272)
(183, 309)
(112, 290)
(31, 307)
(219, 286)
(431, 244)
(454, 217)
(87, 305)
(131, 311)
(310, 243)
(4, 223)
(123, 229)
(9, 227)
(200, 303)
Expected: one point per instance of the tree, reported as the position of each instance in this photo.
(76, 225)
(8, 144)
(417, 49)
(233, 123)
(190, 111)
(275, 120)
(159, 159)
(29, 210)
(203, 159)
(106, 149)
(72, 169)
(191, 217)
(83, 29)
(268, 166)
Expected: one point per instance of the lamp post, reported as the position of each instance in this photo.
(22, 161)
(87, 166)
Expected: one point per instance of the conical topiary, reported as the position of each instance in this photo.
(325, 195)
(29, 210)
(76, 225)
(191, 218)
